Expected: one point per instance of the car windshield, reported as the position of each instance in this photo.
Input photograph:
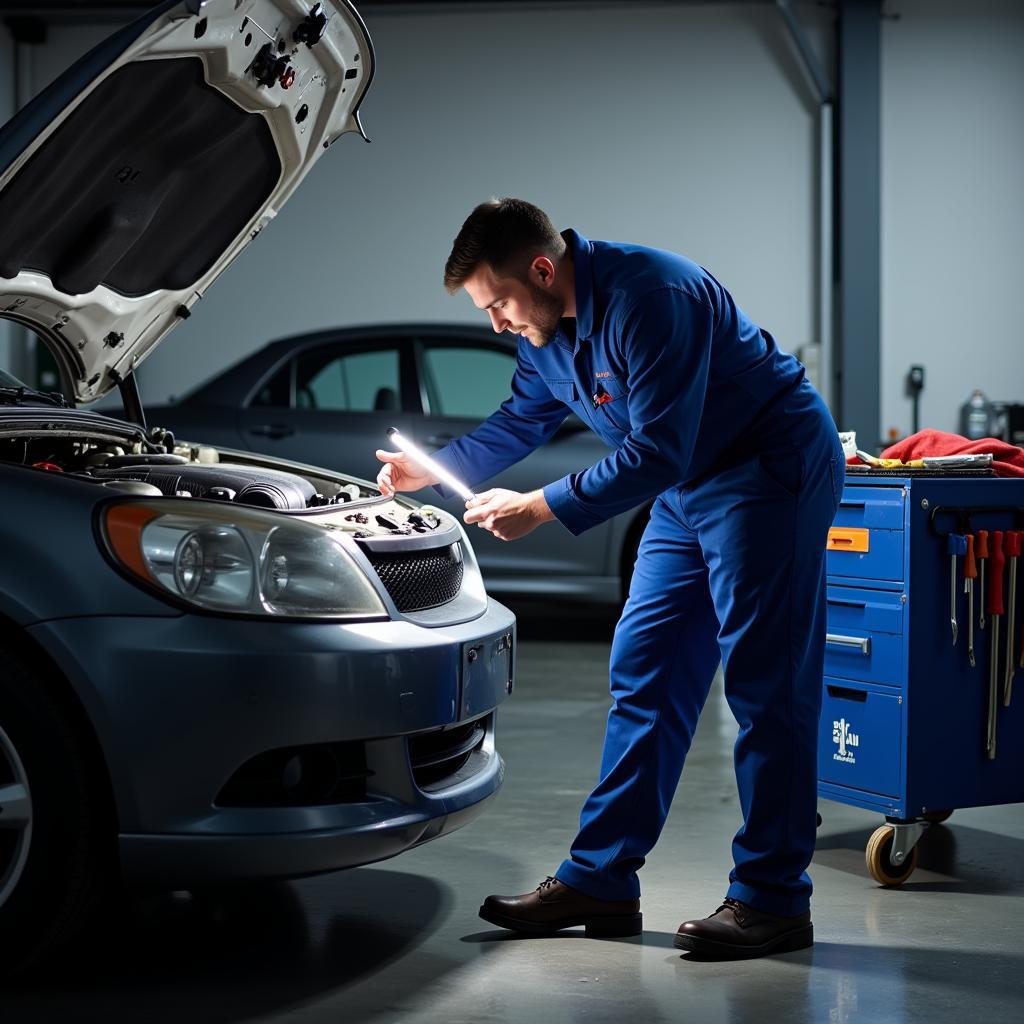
(9, 381)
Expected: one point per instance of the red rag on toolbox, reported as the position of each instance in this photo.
(1007, 459)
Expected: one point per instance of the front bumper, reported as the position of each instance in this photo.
(389, 827)
(180, 703)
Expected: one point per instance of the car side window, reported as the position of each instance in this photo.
(466, 381)
(277, 391)
(365, 381)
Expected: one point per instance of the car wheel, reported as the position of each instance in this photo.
(56, 838)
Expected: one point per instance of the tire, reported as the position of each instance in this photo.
(58, 845)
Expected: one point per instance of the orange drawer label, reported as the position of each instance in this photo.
(841, 538)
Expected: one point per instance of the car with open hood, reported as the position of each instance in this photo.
(214, 665)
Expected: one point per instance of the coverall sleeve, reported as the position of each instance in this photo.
(524, 422)
(666, 342)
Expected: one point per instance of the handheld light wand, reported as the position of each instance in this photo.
(403, 444)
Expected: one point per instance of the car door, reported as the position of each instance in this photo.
(331, 405)
(462, 381)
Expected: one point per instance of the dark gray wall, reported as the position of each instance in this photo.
(690, 127)
(952, 204)
(684, 127)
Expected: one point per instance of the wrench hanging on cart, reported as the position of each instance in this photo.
(970, 575)
(1012, 543)
(956, 544)
(995, 607)
(981, 553)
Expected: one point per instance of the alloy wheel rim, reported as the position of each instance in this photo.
(15, 816)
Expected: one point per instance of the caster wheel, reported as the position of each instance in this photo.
(876, 856)
(936, 817)
(818, 822)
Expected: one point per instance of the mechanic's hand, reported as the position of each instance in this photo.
(509, 515)
(401, 473)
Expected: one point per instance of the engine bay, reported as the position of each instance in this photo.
(157, 465)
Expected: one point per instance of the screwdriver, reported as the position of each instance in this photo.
(956, 544)
(981, 552)
(1012, 543)
(970, 575)
(995, 608)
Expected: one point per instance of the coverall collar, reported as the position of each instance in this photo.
(582, 251)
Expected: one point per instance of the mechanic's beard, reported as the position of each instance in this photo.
(545, 315)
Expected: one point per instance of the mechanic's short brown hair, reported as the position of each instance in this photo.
(505, 234)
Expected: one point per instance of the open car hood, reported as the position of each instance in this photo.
(132, 182)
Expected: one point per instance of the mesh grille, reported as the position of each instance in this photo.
(418, 580)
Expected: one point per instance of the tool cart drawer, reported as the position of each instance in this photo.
(864, 637)
(860, 738)
(866, 539)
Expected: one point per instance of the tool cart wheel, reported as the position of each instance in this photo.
(936, 817)
(876, 856)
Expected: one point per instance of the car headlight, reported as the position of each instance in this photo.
(239, 560)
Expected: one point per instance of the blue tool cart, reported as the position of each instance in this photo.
(906, 728)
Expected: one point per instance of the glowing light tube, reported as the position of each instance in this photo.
(403, 444)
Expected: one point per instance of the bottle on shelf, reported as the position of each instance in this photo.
(977, 416)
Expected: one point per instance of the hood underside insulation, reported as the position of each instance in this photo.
(142, 188)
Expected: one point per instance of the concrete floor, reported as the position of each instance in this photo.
(401, 941)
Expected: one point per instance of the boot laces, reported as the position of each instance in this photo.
(548, 883)
(738, 909)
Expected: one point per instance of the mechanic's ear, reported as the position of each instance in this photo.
(544, 269)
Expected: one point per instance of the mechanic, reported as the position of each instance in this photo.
(711, 420)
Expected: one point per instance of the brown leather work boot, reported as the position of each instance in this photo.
(738, 931)
(553, 905)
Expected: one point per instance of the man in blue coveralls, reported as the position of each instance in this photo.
(721, 429)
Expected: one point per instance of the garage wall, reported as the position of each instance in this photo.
(952, 204)
(687, 127)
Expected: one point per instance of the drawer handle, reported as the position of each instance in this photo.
(861, 642)
(842, 538)
(844, 603)
(852, 504)
(844, 693)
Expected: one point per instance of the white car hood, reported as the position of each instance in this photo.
(133, 181)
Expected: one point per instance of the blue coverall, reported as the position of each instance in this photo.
(711, 420)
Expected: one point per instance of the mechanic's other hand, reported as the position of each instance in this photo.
(509, 515)
(401, 473)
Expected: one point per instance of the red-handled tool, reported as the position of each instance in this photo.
(981, 553)
(1012, 543)
(995, 610)
(970, 575)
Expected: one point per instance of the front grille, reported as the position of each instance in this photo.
(418, 580)
(446, 756)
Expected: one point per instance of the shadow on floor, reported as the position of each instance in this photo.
(228, 954)
(649, 938)
(973, 861)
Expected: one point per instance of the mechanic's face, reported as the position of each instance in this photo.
(531, 308)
